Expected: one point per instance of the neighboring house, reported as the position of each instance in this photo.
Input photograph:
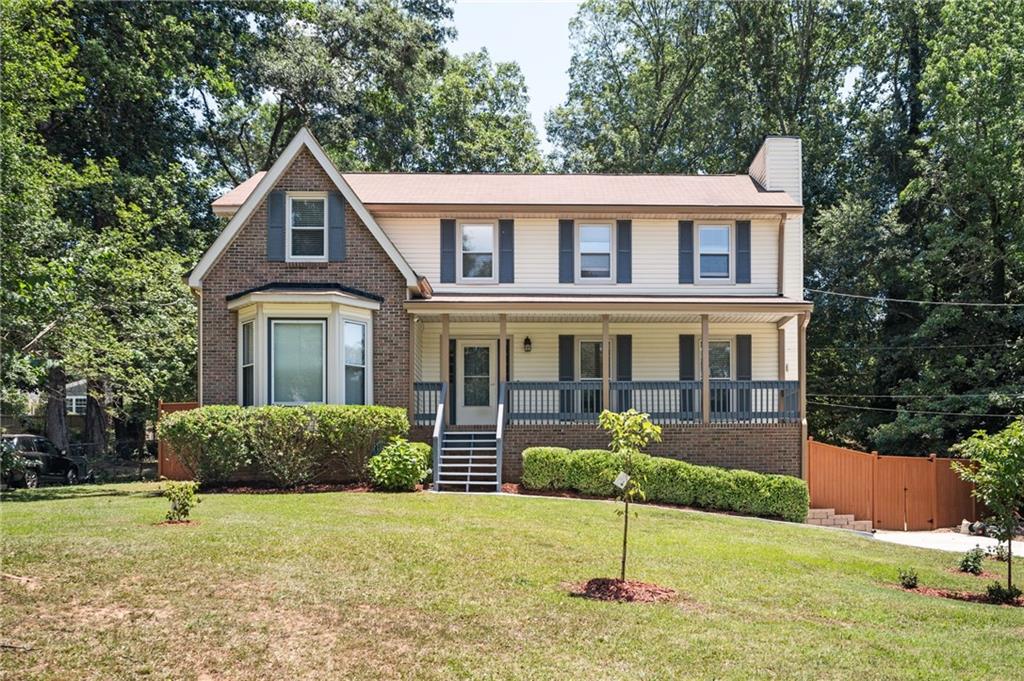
(530, 302)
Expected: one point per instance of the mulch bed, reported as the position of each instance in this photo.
(983, 574)
(628, 591)
(177, 522)
(966, 596)
(312, 488)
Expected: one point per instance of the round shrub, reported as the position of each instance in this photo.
(426, 454)
(212, 442)
(545, 467)
(398, 467)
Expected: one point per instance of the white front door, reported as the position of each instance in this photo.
(476, 372)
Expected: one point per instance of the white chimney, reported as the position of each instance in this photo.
(778, 165)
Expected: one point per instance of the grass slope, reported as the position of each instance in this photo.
(448, 586)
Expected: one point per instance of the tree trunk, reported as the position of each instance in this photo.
(56, 407)
(96, 421)
(130, 435)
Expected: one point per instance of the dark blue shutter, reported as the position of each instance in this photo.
(335, 227)
(744, 372)
(447, 251)
(688, 398)
(743, 251)
(506, 251)
(624, 369)
(565, 251)
(686, 251)
(566, 372)
(624, 250)
(275, 226)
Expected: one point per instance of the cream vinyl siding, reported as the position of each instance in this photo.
(793, 256)
(655, 347)
(655, 258)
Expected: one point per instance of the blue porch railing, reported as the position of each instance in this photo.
(425, 399)
(668, 402)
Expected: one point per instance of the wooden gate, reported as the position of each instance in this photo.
(168, 465)
(894, 492)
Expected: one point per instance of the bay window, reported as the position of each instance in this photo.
(298, 361)
(355, 362)
(247, 364)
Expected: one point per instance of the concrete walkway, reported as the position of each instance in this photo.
(940, 541)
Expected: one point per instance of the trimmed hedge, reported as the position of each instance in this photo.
(591, 472)
(287, 445)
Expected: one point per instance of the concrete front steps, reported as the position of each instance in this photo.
(827, 517)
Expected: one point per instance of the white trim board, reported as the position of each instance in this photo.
(303, 139)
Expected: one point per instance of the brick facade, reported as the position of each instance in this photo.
(244, 265)
(761, 448)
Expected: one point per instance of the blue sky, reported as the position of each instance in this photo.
(534, 33)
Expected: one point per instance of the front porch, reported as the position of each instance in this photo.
(721, 377)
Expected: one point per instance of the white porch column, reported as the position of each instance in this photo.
(502, 341)
(705, 370)
(805, 319)
(605, 364)
(445, 370)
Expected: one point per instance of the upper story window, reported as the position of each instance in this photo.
(594, 253)
(307, 227)
(476, 246)
(715, 252)
(76, 404)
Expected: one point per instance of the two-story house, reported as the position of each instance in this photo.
(506, 311)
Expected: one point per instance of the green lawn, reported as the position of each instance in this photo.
(449, 586)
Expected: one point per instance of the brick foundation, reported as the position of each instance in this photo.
(244, 265)
(760, 448)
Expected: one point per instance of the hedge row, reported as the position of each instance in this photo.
(286, 445)
(591, 471)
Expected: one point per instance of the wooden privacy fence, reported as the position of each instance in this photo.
(167, 464)
(894, 492)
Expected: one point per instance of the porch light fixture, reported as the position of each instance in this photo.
(527, 344)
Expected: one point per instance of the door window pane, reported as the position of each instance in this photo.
(720, 359)
(591, 360)
(595, 251)
(297, 374)
(476, 376)
(714, 251)
(355, 363)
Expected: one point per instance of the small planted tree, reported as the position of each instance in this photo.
(631, 432)
(996, 467)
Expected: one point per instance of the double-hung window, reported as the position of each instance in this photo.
(715, 242)
(298, 361)
(247, 364)
(476, 246)
(355, 362)
(594, 253)
(307, 227)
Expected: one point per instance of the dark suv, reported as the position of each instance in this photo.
(48, 462)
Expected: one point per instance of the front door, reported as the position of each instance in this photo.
(476, 366)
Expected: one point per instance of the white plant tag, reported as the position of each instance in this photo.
(621, 480)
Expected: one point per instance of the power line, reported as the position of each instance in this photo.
(847, 348)
(883, 299)
(910, 396)
(911, 411)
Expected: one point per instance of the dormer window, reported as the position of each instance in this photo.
(476, 253)
(307, 227)
(594, 253)
(715, 252)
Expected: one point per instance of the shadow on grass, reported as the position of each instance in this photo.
(73, 492)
